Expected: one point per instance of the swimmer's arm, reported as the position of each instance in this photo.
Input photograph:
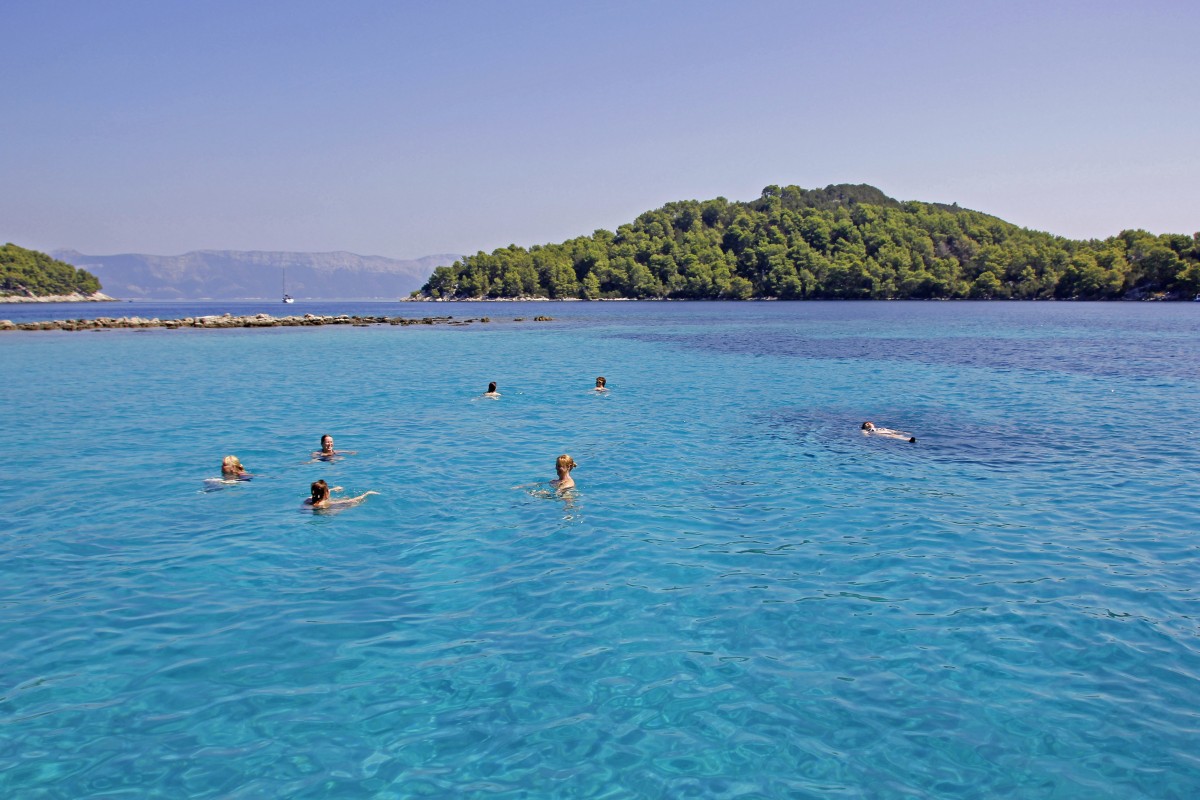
(353, 501)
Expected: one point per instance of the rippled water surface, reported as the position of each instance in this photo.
(745, 598)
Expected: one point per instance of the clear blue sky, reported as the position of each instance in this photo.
(406, 129)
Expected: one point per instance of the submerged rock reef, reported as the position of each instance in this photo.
(230, 321)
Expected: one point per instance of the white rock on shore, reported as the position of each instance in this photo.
(75, 297)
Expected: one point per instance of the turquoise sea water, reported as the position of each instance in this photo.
(747, 598)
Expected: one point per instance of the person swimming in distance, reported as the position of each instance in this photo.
(563, 467)
(321, 497)
(600, 385)
(869, 428)
(232, 469)
(327, 453)
(491, 392)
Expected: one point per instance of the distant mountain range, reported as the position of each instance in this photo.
(253, 274)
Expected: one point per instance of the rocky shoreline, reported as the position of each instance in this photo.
(75, 297)
(229, 321)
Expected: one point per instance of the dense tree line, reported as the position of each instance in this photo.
(844, 241)
(28, 272)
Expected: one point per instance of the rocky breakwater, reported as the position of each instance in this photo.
(230, 321)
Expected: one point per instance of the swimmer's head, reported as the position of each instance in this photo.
(600, 382)
(231, 465)
(320, 491)
(565, 463)
(491, 387)
(327, 443)
(868, 426)
(912, 440)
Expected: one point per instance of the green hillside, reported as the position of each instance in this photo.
(30, 273)
(844, 241)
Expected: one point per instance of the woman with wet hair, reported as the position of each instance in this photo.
(563, 467)
(232, 469)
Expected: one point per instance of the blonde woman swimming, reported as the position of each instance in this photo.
(563, 467)
(232, 469)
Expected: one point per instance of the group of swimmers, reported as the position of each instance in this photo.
(601, 386)
(321, 494)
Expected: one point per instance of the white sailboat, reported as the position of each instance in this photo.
(287, 298)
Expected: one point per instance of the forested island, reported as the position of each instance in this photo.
(840, 242)
(27, 275)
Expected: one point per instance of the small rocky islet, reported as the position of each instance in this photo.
(243, 321)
